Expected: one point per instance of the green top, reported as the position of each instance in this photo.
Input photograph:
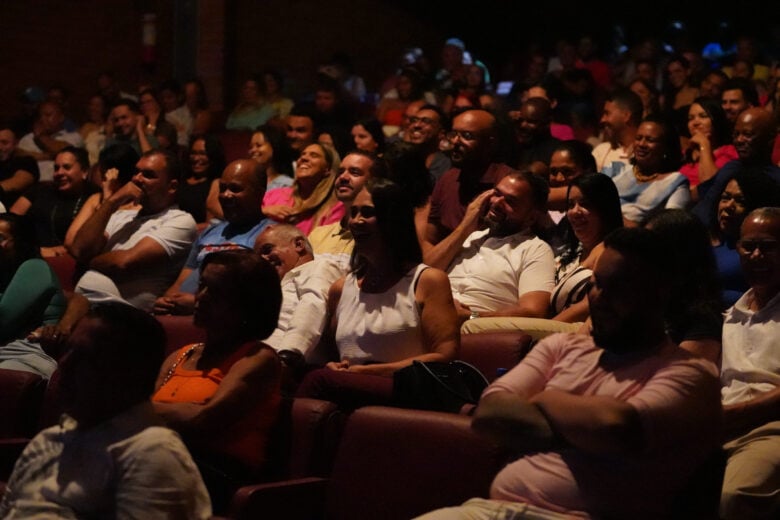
(33, 298)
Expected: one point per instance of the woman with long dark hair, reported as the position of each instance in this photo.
(390, 310)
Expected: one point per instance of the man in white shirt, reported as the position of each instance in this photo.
(110, 456)
(750, 375)
(305, 285)
(48, 138)
(619, 123)
(134, 255)
(506, 270)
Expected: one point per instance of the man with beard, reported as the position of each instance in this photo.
(619, 123)
(750, 374)
(506, 270)
(133, 255)
(607, 425)
(460, 196)
(129, 127)
(426, 128)
(335, 240)
(754, 137)
(241, 190)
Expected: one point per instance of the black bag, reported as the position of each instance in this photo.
(439, 386)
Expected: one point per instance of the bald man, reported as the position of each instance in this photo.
(460, 196)
(754, 136)
(750, 371)
(241, 190)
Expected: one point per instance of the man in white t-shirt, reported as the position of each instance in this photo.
(506, 270)
(750, 375)
(48, 138)
(619, 123)
(134, 255)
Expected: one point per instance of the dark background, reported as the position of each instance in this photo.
(67, 42)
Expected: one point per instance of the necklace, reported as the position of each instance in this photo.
(184, 356)
(640, 177)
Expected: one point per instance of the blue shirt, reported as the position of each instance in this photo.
(221, 236)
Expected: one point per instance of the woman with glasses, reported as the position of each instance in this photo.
(390, 310)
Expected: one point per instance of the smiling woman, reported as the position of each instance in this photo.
(206, 160)
(53, 206)
(390, 310)
(311, 201)
(652, 181)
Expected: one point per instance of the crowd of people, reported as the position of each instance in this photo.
(624, 214)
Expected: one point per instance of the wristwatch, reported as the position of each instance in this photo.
(474, 314)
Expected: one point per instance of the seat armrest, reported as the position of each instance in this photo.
(302, 498)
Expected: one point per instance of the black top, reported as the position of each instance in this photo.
(7, 170)
(192, 199)
(53, 211)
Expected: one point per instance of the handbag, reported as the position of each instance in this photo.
(438, 386)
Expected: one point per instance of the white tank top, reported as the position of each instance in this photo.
(380, 328)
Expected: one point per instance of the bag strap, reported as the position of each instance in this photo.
(444, 385)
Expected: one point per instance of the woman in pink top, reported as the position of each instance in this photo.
(311, 201)
(709, 146)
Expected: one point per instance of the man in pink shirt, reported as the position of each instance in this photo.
(607, 425)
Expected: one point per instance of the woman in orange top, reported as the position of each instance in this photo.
(223, 395)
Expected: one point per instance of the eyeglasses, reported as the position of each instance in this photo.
(747, 247)
(465, 135)
(364, 211)
(424, 120)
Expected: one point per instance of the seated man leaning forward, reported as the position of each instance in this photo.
(607, 425)
(306, 281)
(134, 255)
(110, 456)
(241, 190)
(506, 270)
(750, 374)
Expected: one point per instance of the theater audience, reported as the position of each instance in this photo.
(754, 136)
(461, 194)
(594, 212)
(608, 425)
(390, 310)
(222, 395)
(335, 240)
(110, 455)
